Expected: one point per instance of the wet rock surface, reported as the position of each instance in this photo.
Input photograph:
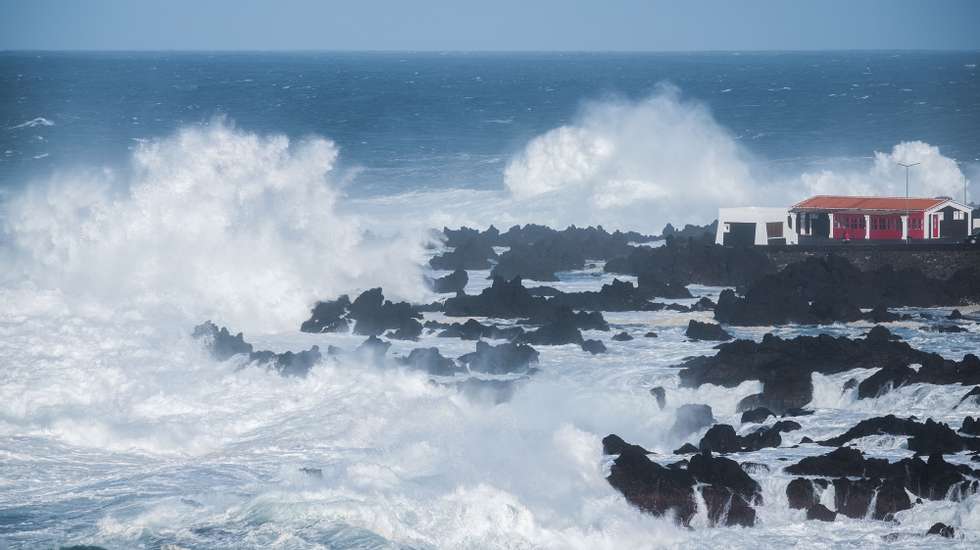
(785, 367)
(831, 289)
(697, 330)
(222, 346)
(728, 492)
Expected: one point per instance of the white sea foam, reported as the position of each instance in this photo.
(33, 123)
(212, 221)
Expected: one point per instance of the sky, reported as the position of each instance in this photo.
(553, 25)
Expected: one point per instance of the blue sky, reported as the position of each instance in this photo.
(489, 25)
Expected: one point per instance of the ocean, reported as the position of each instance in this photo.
(144, 193)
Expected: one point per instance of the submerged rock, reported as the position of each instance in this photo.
(622, 337)
(691, 418)
(942, 530)
(660, 394)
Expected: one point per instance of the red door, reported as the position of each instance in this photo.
(935, 226)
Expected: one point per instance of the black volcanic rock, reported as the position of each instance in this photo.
(686, 449)
(615, 296)
(660, 394)
(841, 462)
(328, 316)
(474, 330)
(651, 487)
(652, 285)
(622, 337)
(955, 315)
(756, 416)
(222, 346)
(697, 330)
(728, 492)
(503, 299)
(691, 418)
(563, 329)
(373, 350)
(970, 426)
(971, 396)
(501, 359)
(697, 260)
(932, 480)
(925, 437)
(452, 283)
(561, 314)
(942, 530)
(594, 347)
(801, 494)
(612, 444)
(785, 366)
(728, 483)
(430, 361)
(371, 313)
(471, 249)
(820, 512)
(831, 289)
(721, 438)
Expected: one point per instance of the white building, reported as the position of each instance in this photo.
(755, 225)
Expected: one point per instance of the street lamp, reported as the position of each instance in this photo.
(908, 214)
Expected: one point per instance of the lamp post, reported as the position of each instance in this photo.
(908, 214)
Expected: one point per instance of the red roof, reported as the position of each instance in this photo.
(828, 202)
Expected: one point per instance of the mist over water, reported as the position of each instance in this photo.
(117, 429)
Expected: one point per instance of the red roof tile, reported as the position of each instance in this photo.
(827, 202)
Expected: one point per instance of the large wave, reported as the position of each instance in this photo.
(212, 221)
(641, 164)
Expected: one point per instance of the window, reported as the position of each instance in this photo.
(959, 215)
(941, 216)
(774, 230)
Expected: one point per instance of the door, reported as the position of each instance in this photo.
(935, 226)
(740, 234)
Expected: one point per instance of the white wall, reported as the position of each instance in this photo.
(758, 215)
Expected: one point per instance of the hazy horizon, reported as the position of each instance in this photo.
(505, 26)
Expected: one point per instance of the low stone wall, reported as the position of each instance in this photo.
(937, 261)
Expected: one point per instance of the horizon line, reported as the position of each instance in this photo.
(486, 51)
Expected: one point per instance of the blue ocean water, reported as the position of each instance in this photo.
(410, 121)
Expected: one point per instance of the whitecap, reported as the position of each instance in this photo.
(33, 123)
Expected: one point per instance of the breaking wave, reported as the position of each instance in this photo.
(641, 164)
(212, 221)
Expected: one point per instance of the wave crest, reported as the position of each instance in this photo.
(211, 222)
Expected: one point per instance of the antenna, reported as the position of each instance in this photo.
(908, 214)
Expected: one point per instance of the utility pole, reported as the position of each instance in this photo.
(908, 215)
